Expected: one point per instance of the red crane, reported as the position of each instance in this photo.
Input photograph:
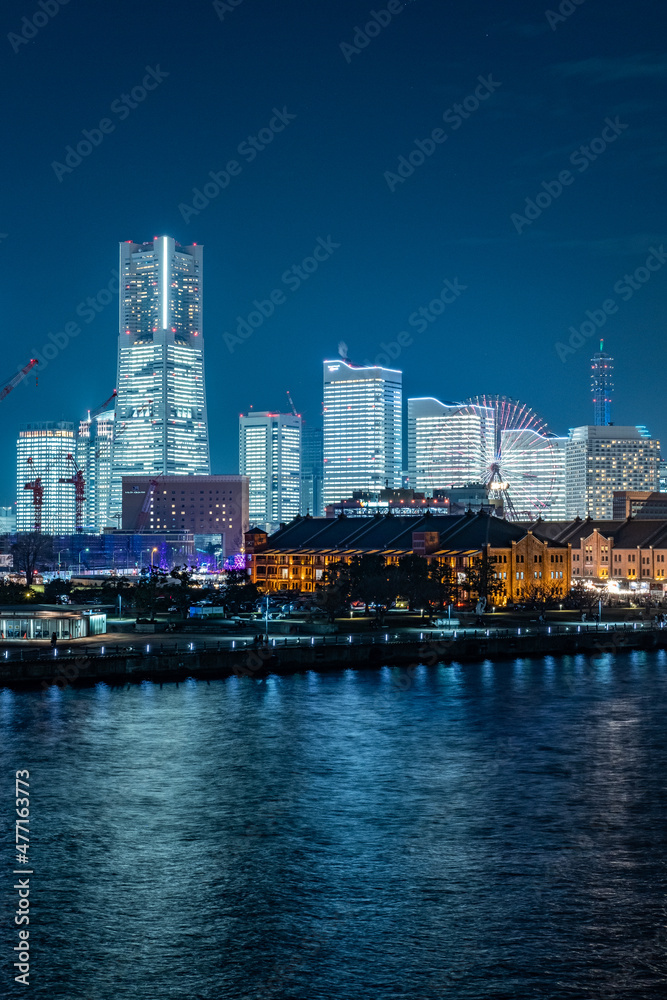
(37, 488)
(98, 409)
(13, 382)
(79, 484)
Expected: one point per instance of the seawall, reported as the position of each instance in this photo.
(127, 667)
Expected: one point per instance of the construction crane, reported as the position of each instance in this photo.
(99, 409)
(291, 403)
(37, 489)
(79, 483)
(13, 382)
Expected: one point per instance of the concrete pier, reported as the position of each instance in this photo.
(119, 666)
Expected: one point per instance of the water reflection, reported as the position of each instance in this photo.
(481, 830)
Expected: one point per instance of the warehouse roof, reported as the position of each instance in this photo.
(394, 532)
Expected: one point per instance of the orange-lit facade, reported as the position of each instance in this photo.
(296, 557)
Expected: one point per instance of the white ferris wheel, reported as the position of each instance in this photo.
(521, 464)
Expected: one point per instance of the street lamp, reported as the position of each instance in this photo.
(84, 550)
(153, 551)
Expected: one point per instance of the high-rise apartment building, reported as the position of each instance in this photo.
(44, 453)
(94, 455)
(449, 444)
(362, 433)
(601, 460)
(161, 423)
(270, 455)
(311, 470)
(602, 386)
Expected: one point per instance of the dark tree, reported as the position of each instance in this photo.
(542, 594)
(149, 589)
(445, 583)
(186, 593)
(481, 580)
(56, 588)
(115, 587)
(374, 582)
(30, 551)
(583, 598)
(15, 593)
(416, 582)
(332, 595)
(238, 592)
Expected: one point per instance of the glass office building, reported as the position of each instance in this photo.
(43, 503)
(94, 454)
(362, 432)
(270, 455)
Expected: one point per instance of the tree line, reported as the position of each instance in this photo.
(426, 586)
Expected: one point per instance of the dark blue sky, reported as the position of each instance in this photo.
(549, 90)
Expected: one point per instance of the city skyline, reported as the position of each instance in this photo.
(333, 518)
(528, 302)
(490, 440)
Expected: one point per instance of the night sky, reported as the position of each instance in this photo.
(348, 110)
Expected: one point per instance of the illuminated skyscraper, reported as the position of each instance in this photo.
(270, 455)
(311, 471)
(449, 444)
(94, 448)
(43, 503)
(602, 386)
(363, 434)
(602, 460)
(161, 424)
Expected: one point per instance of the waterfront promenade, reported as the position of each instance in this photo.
(133, 659)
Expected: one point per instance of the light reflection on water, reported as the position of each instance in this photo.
(468, 831)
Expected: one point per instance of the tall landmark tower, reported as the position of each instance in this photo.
(161, 425)
(602, 386)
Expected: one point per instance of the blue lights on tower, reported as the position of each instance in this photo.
(602, 386)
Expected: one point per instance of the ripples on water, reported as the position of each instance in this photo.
(487, 831)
